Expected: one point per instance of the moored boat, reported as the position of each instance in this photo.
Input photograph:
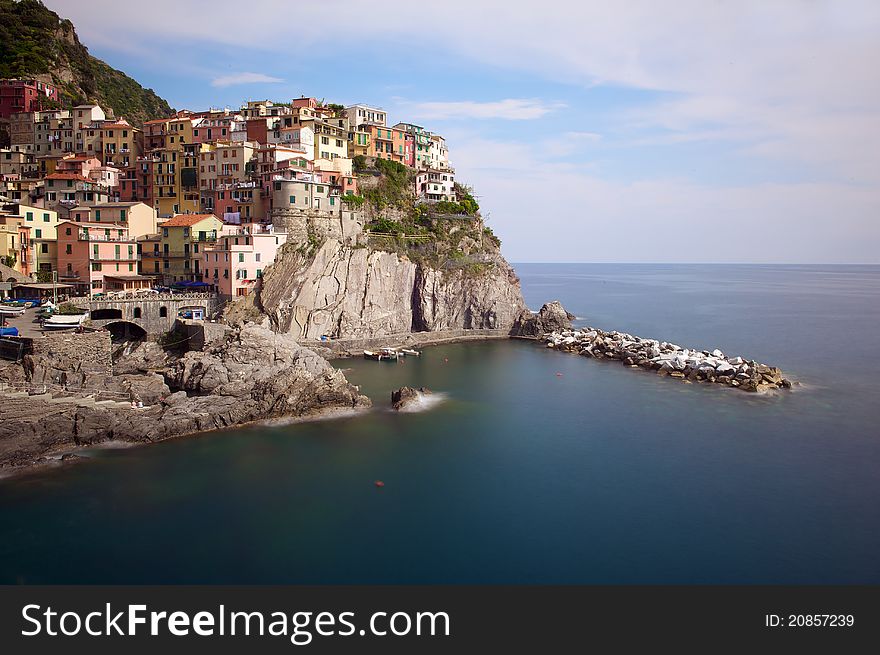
(409, 352)
(383, 355)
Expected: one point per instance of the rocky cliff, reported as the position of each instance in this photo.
(348, 291)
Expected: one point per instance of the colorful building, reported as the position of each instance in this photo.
(182, 240)
(87, 252)
(43, 235)
(15, 246)
(235, 264)
(18, 96)
(434, 185)
(65, 191)
(359, 114)
(120, 144)
(421, 144)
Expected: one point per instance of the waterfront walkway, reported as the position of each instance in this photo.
(355, 347)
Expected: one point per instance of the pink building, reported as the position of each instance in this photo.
(235, 264)
(90, 252)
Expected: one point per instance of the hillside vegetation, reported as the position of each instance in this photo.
(36, 42)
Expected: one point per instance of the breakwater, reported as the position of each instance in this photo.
(669, 359)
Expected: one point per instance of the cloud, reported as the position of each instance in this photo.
(548, 209)
(511, 109)
(244, 78)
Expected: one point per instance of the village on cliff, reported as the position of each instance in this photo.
(202, 200)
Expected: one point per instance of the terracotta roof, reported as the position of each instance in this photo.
(186, 220)
(68, 176)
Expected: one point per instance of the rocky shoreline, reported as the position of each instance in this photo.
(250, 375)
(669, 359)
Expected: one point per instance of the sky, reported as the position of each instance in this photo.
(592, 131)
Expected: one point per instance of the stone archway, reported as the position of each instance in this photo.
(126, 331)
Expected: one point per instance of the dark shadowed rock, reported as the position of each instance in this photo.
(405, 396)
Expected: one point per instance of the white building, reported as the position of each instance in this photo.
(360, 114)
(434, 185)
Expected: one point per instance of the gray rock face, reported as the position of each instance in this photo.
(254, 375)
(552, 317)
(351, 292)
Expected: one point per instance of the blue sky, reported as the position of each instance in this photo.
(694, 132)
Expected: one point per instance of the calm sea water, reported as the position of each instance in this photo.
(517, 474)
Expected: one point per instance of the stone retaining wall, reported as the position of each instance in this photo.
(89, 352)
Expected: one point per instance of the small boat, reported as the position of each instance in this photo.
(410, 352)
(8, 332)
(62, 321)
(379, 483)
(383, 355)
(7, 310)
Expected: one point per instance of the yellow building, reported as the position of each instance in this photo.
(182, 241)
(170, 143)
(331, 138)
(175, 181)
(138, 217)
(120, 144)
(15, 243)
(359, 143)
(43, 236)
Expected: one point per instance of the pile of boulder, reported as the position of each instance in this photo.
(669, 359)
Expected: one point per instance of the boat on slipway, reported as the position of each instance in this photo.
(64, 321)
(8, 311)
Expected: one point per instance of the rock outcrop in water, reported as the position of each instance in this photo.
(669, 359)
(407, 396)
(347, 291)
(552, 317)
(253, 374)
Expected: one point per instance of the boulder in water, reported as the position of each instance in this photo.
(406, 396)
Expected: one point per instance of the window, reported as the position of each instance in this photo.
(46, 218)
(44, 248)
(122, 215)
(292, 200)
(39, 234)
(165, 232)
(163, 312)
(137, 312)
(30, 216)
(241, 257)
(69, 250)
(257, 257)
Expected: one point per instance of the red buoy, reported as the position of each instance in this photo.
(379, 483)
(559, 375)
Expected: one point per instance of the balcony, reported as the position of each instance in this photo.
(112, 258)
(85, 236)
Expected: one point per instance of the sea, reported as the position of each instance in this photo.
(523, 465)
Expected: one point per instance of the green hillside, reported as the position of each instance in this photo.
(36, 42)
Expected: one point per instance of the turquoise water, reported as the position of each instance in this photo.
(599, 475)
